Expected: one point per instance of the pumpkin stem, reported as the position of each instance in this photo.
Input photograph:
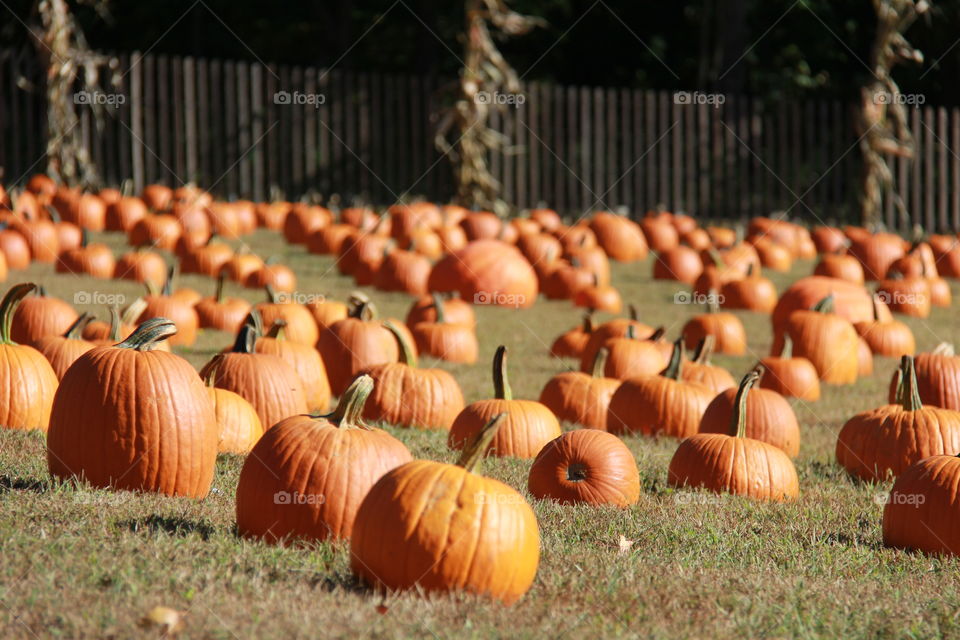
(171, 277)
(631, 332)
(943, 349)
(273, 296)
(675, 367)
(210, 370)
(476, 448)
(9, 306)
(407, 354)
(600, 361)
(133, 311)
(713, 301)
(787, 351)
(84, 237)
(716, 258)
(246, 341)
(364, 310)
(115, 324)
(632, 311)
(824, 306)
(657, 334)
(73, 332)
(909, 391)
(276, 331)
(588, 323)
(218, 294)
(876, 307)
(705, 349)
(350, 407)
(148, 334)
(501, 383)
(738, 421)
(438, 305)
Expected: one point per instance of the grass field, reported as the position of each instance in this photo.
(79, 563)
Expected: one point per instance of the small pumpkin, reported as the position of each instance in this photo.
(581, 398)
(410, 512)
(680, 263)
(306, 477)
(827, 340)
(615, 328)
(842, 266)
(890, 338)
(570, 344)
(630, 357)
(701, 371)
(303, 359)
(238, 425)
(734, 463)
(278, 276)
(752, 292)
(90, 259)
(598, 298)
(407, 396)
(726, 328)
(164, 304)
(222, 312)
(39, 315)
(301, 327)
(528, 425)
(789, 376)
(585, 466)
(27, 380)
(354, 344)
(62, 351)
(881, 442)
(455, 310)
(130, 417)
(938, 377)
(445, 340)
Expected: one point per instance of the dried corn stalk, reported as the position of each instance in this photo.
(485, 76)
(882, 117)
(64, 53)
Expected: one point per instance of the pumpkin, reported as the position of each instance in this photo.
(659, 405)
(406, 396)
(827, 340)
(620, 238)
(301, 327)
(938, 378)
(155, 230)
(696, 239)
(88, 212)
(41, 235)
(615, 328)
(909, 296)
(726, 328)
(130, 417)
(487, 272)
(881, 442)
(540, 249)
(842, 266)
(921, 512)
(40, 315)
(715, 274)
(481, 225)
(62, 351)
(326, 312)
(790, 376)
(411, 512)
(680, 263)
(329, 239)
(157, 196)
(303, 220)
(594, 261)
(241, 266)
(142, 266)
(355, 344)
(306, 477)
(581, 398)
(528, 425)
(238, 425)
(446, 340)
(734, 463)
(455, 310)
(876, 252)
(221, 312)
(752, 293)
(566, 279)
(14, 247)
(122, 214)
(828, 239)
(630, 357)
(548, 219)
(27, 380)
(597, 297)
(164, 304)
(403, 271)
(91, 259)
(361, 255)
(271, 215)
(121, 325)
(278, 276)
(264, 380)
(570, 344)
(890, 338)
(700, 371)
(42, 186)
(303, 359)
(864, 359)
(585, 466)
(660, 234)
(768, 416)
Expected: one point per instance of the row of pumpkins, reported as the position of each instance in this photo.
(631, 381)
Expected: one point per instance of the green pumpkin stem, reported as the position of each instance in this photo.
(876, 307)
(943, 349)
(246, 341)
(713, 301)
(407, 355)
(438, 305)
(476, 448)
(171, 278)
(704, 349)
(149, 334)
(501, 383)
(631, 332)
(115, 323)
(218, 294)
(73, 332)
(277, 330)
(363, 310)
(84, 237)
(738, 421)
(588, 323)
(909, 390)
(133, 311)
(824, 306)
(657, 335)
(273, 296)
(350, 407)
(600, 361)
(9, 306)
(632, 311)
(675, 367)
(787, 351)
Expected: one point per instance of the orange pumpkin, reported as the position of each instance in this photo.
(570, 344)
(700, 371)
(920, 513)
(890, 338)
(726, 328)
(142, 266)
(221, 312)
(301, 327)
(355, 344)
(842, 266)
(446, 340)
(581, 398)
(62, 351)
(631, 357)
(303, 359)
(487, 272)
(40, 315)
(238, 425)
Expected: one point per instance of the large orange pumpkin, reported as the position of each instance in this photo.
(130, 417)
(306, 477)
(921, 511)
(40, 315)
(487, 272)
(411, 512)
(827, 340)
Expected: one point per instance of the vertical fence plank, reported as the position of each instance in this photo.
(943, 202)
(190, 115)
(954, 168)
(149, 120)
(177, 156)
(310, 129)
(297, 115)
(258, 188)
(136, 120)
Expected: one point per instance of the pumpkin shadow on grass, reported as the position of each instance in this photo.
(180, 527)
(10, 483)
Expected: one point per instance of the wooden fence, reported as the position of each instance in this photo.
(241, 128)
